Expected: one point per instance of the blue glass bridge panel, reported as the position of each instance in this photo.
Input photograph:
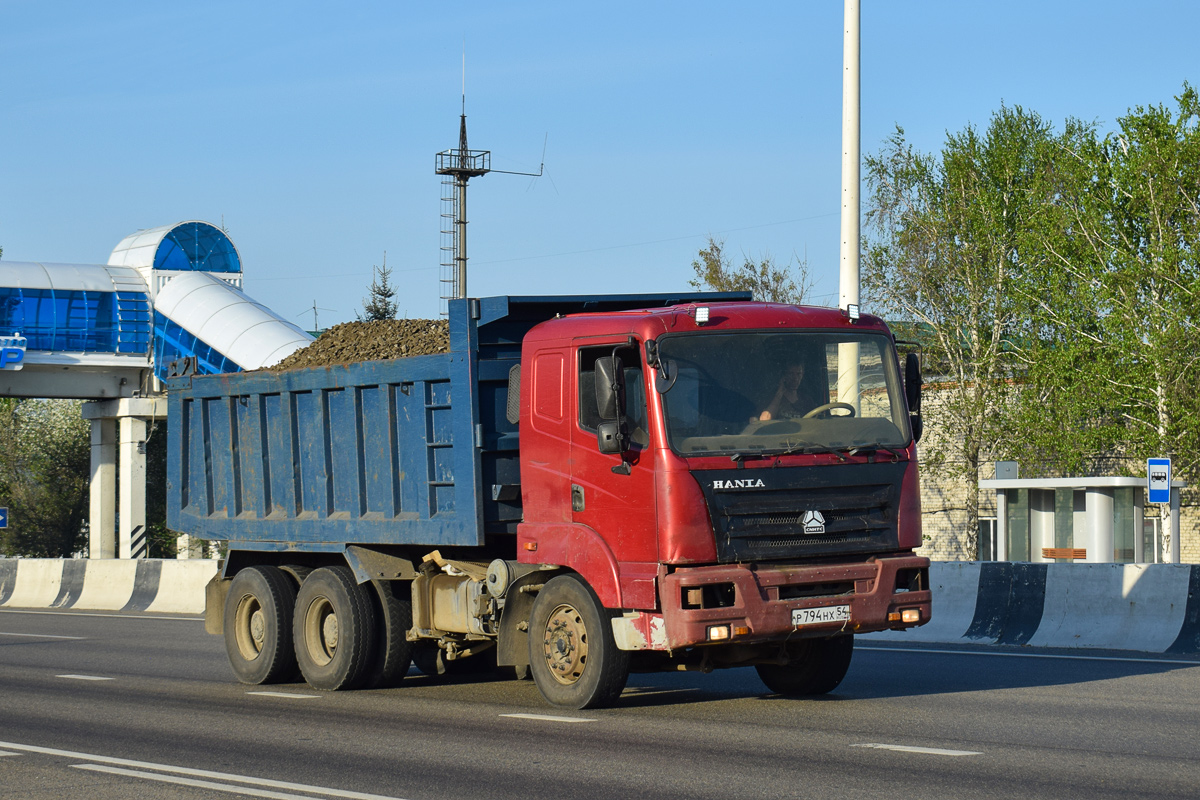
(77, 320)
(197, 246)
(171, 342)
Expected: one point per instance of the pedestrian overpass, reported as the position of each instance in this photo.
(109, 333)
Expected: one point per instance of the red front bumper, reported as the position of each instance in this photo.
(762, 600)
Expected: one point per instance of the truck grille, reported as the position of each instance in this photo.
(856, 504)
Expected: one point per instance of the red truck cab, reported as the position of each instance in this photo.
(742, 489)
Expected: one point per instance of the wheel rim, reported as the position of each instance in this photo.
(566, 644)
(321, 631)
(250, 625)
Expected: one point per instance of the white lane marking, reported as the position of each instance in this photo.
(221, 787)
(290, 695)
(1028, 655)
(548, 718)
(86, 678)
(89, 614)
(6, 753)
(199, 773)
(932, 751)
(40, 635)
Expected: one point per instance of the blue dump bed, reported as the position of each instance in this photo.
(416, 451)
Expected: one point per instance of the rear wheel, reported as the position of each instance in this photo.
(573, 657)
(334, 629)
(393, 652)
(815, 666)
(258, 625)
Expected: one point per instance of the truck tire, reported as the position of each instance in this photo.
(815, 666)
(394, 652)
(334, 629)
(258, 625)
(572, 655)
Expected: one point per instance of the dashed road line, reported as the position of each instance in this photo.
(930, 751)
(288, 695)
(41, 635)
(85, 677)
(548, 718)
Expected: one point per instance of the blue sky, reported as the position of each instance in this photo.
(310, 129)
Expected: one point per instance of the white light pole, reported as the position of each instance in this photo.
(849, 278)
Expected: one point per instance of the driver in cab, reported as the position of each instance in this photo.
(788, 402)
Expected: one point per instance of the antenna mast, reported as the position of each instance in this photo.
(458, 166)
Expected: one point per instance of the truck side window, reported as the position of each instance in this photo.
(635, 391)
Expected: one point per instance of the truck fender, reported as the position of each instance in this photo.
(512, 641)
(577, 547)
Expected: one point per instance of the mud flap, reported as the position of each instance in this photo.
(214, 605)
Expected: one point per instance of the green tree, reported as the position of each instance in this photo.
(380, 303)
(44, 475)
(1118, 301)
(950, 236)
(766, 280)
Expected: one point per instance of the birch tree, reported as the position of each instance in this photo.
(949, 236)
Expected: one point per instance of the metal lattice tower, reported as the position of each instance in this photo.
(457, 166)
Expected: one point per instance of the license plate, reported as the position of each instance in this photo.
(814, 616)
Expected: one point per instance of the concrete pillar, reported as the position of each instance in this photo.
(132, 503)
(1139, 526)
(187, 547)
(1041, 523)
(1099, 511)
(1001, 553)
(102, 519)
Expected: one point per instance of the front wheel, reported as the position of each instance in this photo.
(815, 666)
(572, 655)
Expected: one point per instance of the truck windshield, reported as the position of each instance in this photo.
(759, 393)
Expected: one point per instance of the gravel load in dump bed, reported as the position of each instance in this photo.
(378, 340)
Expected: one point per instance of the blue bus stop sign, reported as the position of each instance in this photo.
(1158, 480)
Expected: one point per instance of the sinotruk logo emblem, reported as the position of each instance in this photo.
(813, 522)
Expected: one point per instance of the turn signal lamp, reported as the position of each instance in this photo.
(718, 633)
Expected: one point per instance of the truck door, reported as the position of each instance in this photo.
(619, 507)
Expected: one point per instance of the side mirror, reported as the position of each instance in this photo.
(912, 393)
(912, 382)
(608, 435)
(610, 387)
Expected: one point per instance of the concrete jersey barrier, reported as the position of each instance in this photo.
(1144, 607)
(145, 584)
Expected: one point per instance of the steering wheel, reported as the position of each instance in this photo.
(829, 407)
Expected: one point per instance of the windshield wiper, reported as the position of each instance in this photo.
(807, 448)
(872, 447)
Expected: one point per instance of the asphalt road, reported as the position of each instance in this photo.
(124, 706)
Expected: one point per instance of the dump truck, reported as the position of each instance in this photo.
(583, 486)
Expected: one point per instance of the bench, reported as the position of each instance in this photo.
(1064, 552)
